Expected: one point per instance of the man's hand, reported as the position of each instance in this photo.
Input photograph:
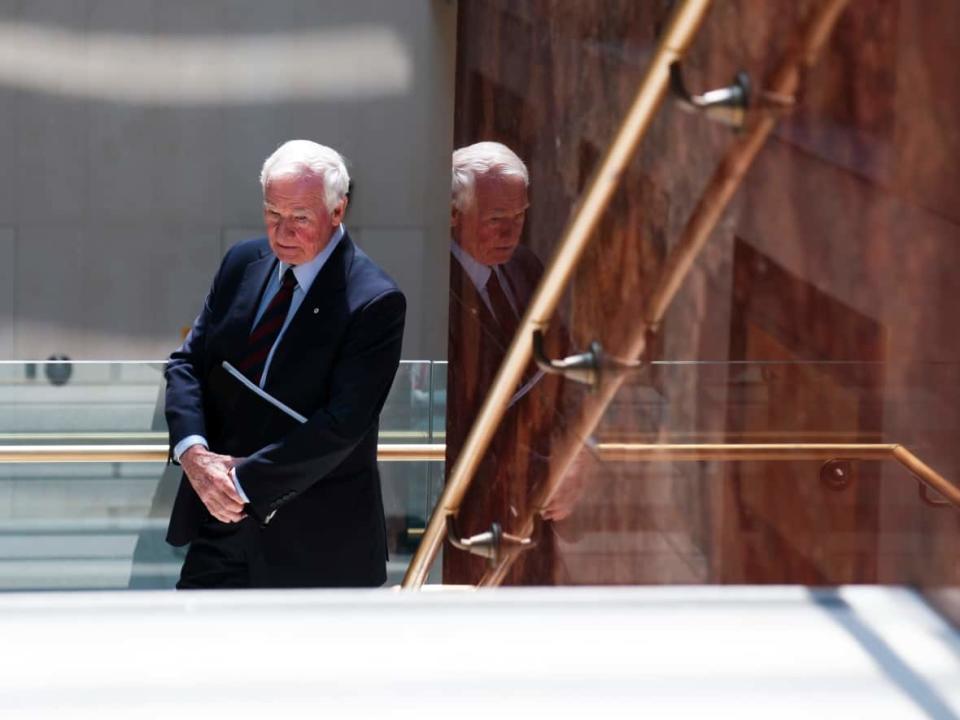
(567, 494)
(209, 473)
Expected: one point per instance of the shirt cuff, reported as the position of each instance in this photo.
(188, 442)
(236, 484)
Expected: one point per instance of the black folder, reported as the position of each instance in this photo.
(249, 416)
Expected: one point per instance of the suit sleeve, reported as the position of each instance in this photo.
(359, 383)
(184, 371)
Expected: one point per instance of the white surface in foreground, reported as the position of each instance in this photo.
(589, 653)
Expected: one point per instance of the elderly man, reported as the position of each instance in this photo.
(273, 400)
(492, 277)
(492, 280)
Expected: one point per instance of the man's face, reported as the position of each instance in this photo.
(298, 223)
(489, 227)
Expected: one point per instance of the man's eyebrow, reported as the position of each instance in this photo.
(509, 211)
(273, 208)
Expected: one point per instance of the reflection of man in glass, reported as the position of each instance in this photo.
(492, 277)
(489, 204)
(492, 280)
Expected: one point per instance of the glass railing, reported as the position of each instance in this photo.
(819, 473)
(86, 525)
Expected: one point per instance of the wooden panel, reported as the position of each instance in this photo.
(852, 207)
(779, 521)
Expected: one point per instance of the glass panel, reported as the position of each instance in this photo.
(406, 413)
(102, 525)
(414, 413)
(800, 513)
(74, 401)
(438, 429)
(78, 525)
(827, 233)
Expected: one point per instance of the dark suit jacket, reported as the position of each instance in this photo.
(517, 460)
(334, 365)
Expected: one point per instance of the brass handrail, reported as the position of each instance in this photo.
(386, 452)
(677, 36)
(656, 452)
(146, 436)
(628, 452)
(720, 190)
(607, 452)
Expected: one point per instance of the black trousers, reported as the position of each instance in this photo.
(222, 556)
(231, 556)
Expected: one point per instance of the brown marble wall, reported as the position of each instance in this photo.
(841, 245)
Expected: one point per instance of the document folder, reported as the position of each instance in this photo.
(246, 417)
(245, 381)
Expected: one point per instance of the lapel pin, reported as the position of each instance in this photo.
(316, 310)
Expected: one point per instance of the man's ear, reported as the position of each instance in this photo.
(454, 216)
(336, 217)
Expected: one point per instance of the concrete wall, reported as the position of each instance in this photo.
(132, 132)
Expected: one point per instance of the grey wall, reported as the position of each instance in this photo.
(132, 132)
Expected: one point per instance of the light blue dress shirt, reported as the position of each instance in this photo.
(305, 275)
(479, 275)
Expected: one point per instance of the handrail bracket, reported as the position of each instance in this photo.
(587, 368)
(493, 544)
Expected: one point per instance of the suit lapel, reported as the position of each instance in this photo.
(520, 284)
(466, 296)
(243, 309)
(313, 314)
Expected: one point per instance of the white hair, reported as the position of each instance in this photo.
(304, 157)
(483, 158)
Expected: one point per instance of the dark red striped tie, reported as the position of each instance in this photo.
(502, 310)
(264, 335)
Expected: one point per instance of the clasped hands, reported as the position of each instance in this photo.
(209, 474)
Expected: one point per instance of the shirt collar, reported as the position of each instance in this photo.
(476, 270)
(307, 272)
